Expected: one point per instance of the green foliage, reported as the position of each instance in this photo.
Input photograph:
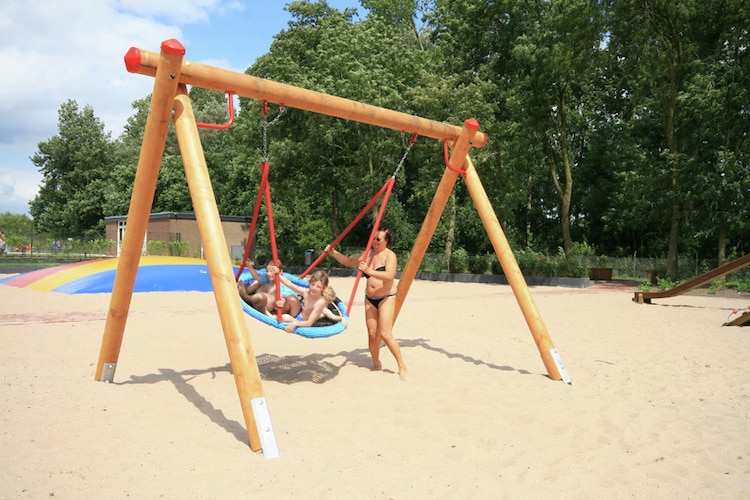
(15, 224)
(603, 261)
(39, 244)
(75, 165)
(583, 249)
(179, 248)
(534, 263)
(459, 262)
(433, 262)
(156, 247)
(479, 264)
(495, 266)
(666, 283)
(620, 125)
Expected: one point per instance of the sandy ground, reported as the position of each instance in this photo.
(659, 406)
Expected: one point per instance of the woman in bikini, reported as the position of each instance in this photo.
(379, 269)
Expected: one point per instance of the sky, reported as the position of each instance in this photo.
(55, 50)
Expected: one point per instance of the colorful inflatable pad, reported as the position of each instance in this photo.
(155, 274)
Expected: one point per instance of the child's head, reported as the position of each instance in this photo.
(329, 294)
(321, 276)
(270, 268)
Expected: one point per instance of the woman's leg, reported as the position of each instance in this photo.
(387, 312)
(373, 339)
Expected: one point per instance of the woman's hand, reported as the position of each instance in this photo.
(291, 326)
(362, 266)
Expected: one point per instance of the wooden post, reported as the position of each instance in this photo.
(512, 271)
(460, 152)
(152, 150)
(244, 366)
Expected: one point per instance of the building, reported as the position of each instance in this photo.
(174, 233)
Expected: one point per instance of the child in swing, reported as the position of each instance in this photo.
(261, 293)
(332, 312)
(312, 303)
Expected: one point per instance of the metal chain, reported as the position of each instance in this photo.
(407, 148)
(266, 124)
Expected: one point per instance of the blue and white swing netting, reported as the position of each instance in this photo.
(311, 332)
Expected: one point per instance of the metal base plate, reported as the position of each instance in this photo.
(560, 366)
(108, 372)
(265, 428)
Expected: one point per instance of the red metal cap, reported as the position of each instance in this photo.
(472, 123)
(173, 46)
(480, 141)
(133, 59)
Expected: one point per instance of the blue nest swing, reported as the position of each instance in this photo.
(323, 328)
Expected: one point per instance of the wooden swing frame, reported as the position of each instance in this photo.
(170, 101)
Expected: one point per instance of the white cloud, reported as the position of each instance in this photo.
(179, 11)
(17, 187)
(55, 51)
(52, 51)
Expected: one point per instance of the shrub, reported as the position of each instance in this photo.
(583, 249)
(495, 267)
(155, 247)
(603, 261)
(459, 262)
(478, 264)
(439, 265)
(533, 263)
(537, 264)
(179, 248)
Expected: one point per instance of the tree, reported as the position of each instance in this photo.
(543, 57)
(716, 101)
(15, 224)
(75, 165)
(672, 56)
(172, 194)
(324, 168)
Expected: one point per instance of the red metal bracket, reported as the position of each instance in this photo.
(221, 126)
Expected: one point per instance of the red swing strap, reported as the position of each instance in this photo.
(264, 191)
(389, 187)
(407, 148)
(274, 249)
(256, 211)
(348, 228)
(264, 167)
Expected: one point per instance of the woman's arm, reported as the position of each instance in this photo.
(343, 259)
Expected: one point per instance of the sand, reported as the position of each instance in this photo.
(659, 406)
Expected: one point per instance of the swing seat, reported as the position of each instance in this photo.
(323, 328)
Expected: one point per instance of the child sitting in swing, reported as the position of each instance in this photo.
(332, 313)
(261, 293)
(312, 303)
